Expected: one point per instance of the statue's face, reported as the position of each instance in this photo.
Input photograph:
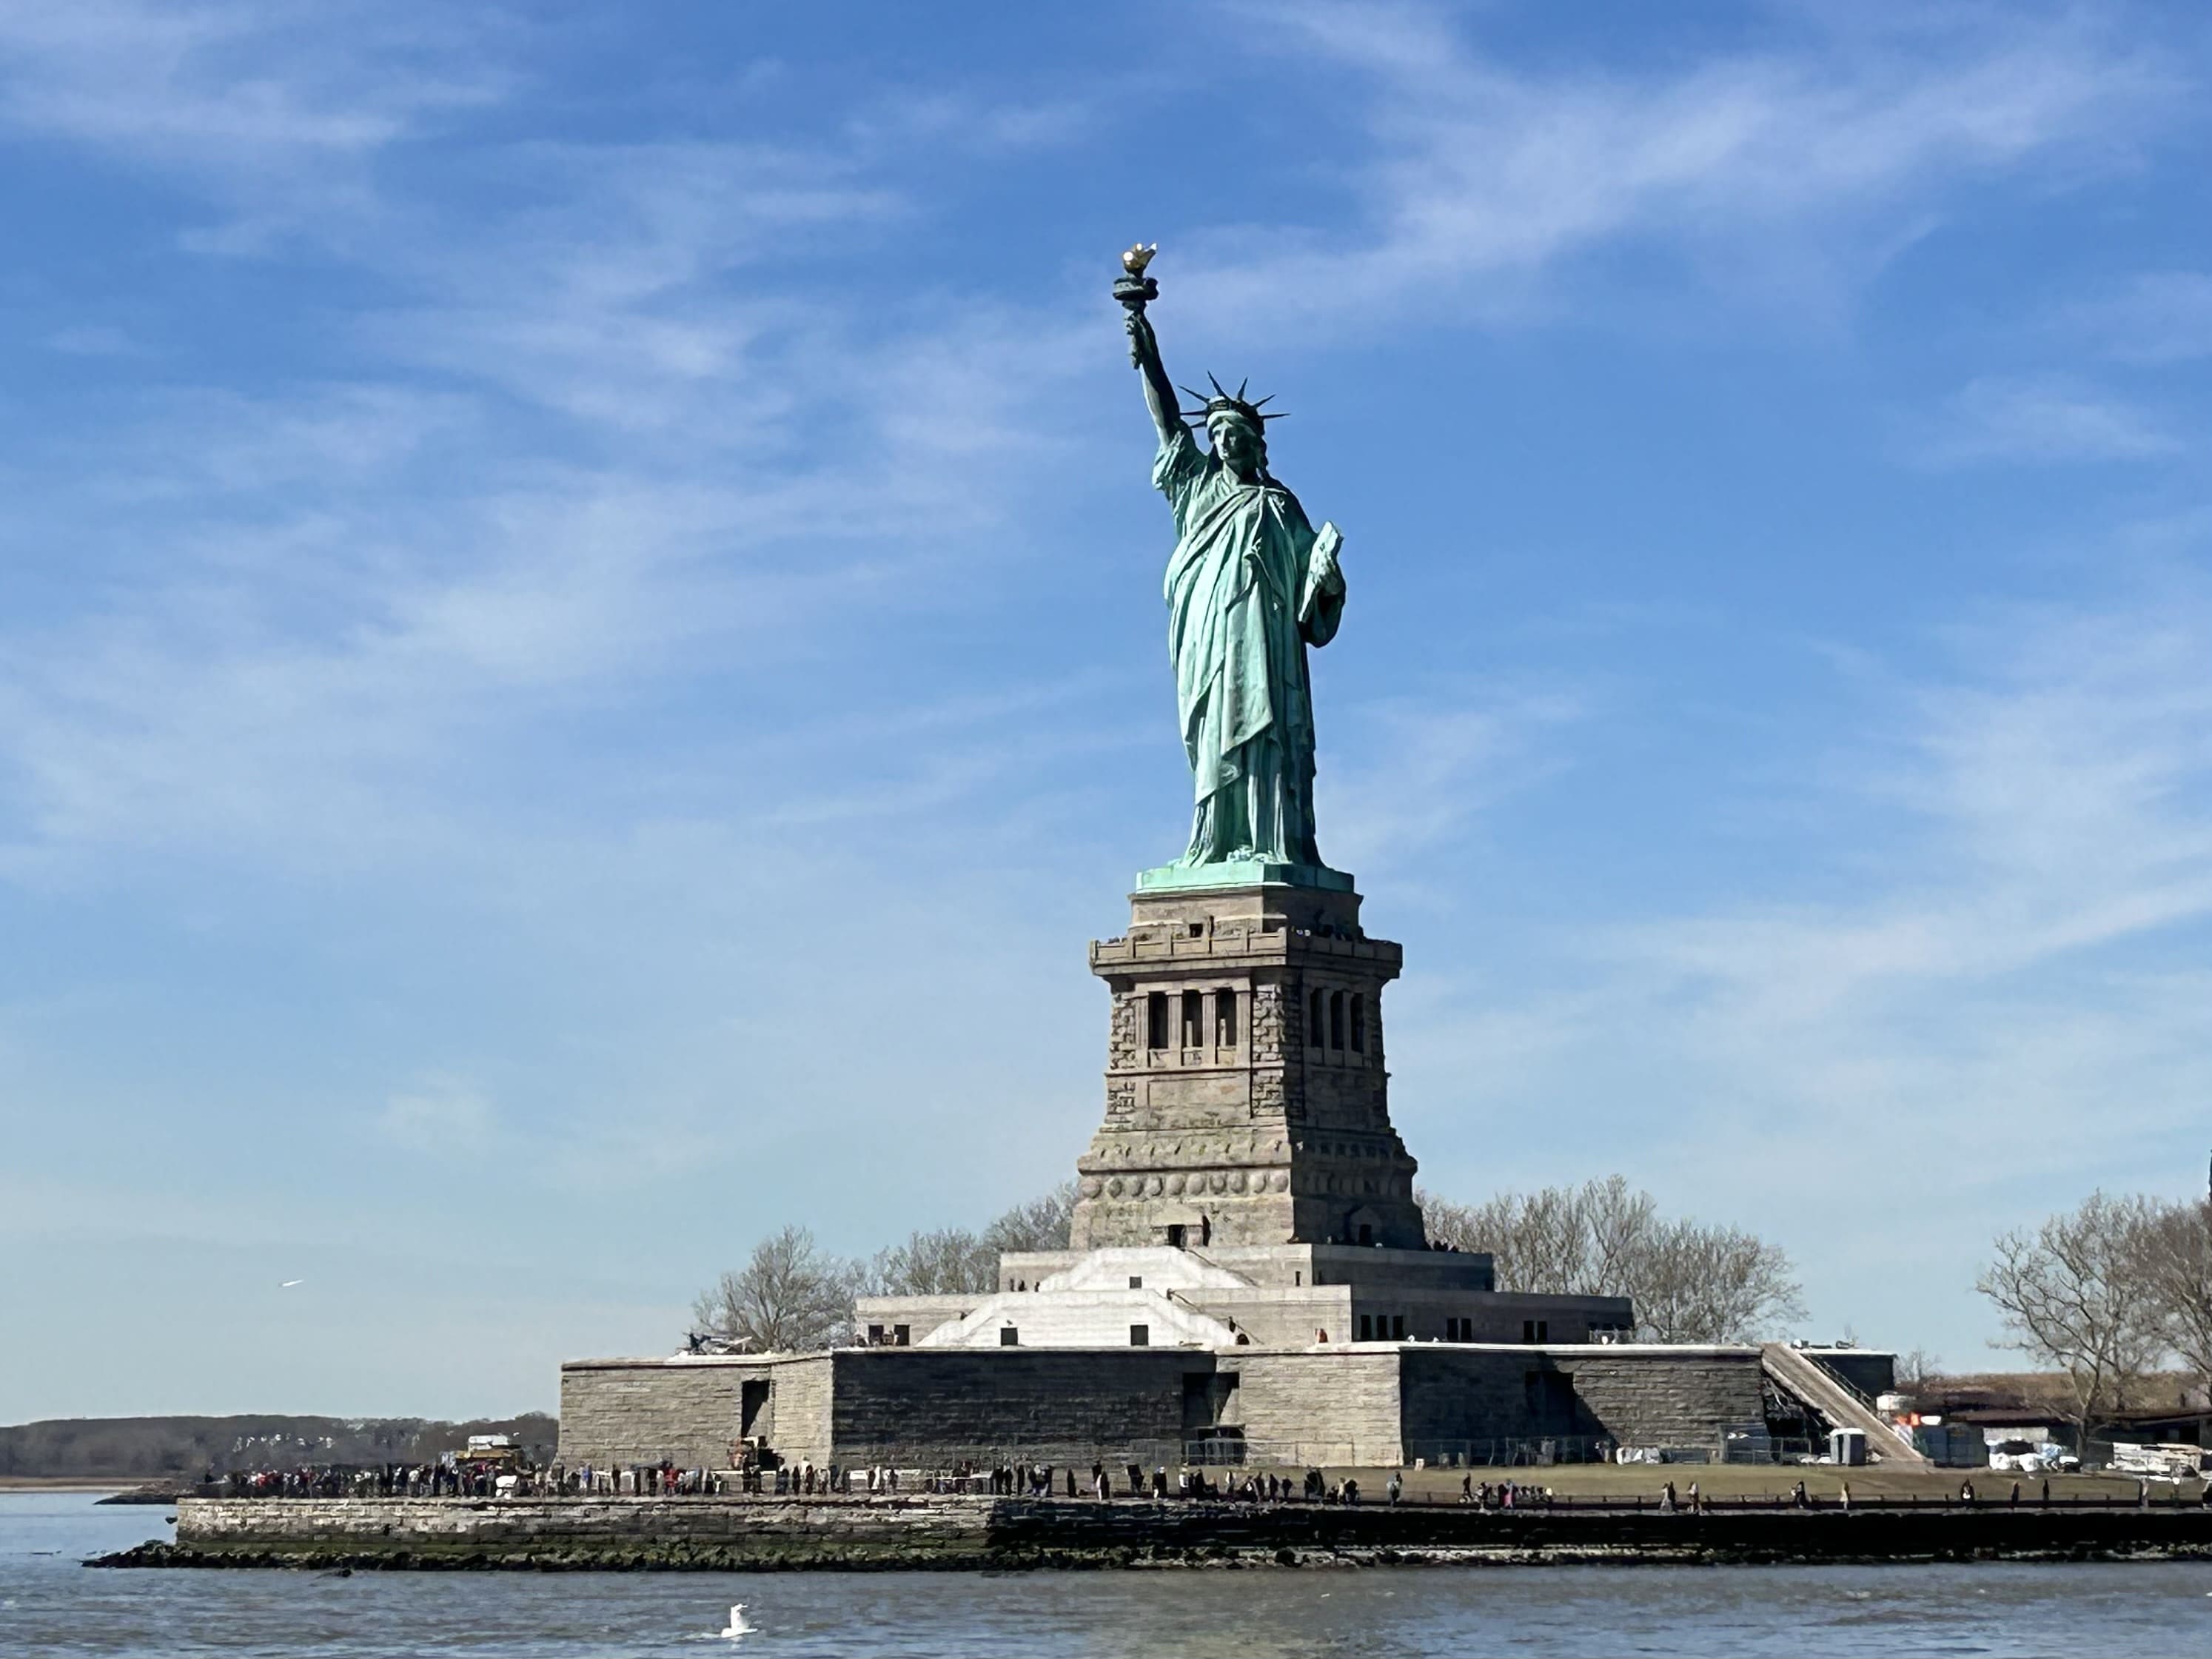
(1236, 443)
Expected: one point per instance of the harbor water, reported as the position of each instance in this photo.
(50, 1604)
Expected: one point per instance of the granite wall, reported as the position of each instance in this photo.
(689, 1410)
(1319, 1405)
(1672, 1397)
(432, 1529)
(1057, 1405)
(1367, 1404)
(908, 1406)
(936, 1532)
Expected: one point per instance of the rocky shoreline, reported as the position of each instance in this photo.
(999, 1534)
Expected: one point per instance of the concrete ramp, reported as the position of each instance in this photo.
(1811, 1383)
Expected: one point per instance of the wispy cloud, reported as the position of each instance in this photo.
(367, 586)
(1806, 167)
(440, 1115)
(964, 122)
(1428, 767)
(2058, 796)
(275, 111)
(2002, 418)
(90, 340)
(1996, 1001)
(2161, 317)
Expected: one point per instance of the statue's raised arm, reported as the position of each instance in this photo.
(1133, 290)
(1159, 390)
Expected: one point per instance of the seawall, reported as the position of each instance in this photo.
(951, 1532)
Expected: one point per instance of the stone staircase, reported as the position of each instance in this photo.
(1813, 1384)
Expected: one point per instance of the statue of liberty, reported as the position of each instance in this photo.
(1249, 585)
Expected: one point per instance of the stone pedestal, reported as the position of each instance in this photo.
(1247, 1101)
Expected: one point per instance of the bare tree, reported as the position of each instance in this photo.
(2170, 1266)
(2069, 1292)
(791, 1297)
(1695, 1283)
(1917, 1369)
(1534, 1239)
(1457, 1224)
(1041, 1224)
(1618, 1223)
(951, 1262)
(1690, 1282)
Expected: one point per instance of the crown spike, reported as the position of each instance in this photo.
(1217, 391)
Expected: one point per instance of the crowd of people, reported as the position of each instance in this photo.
(1505, 1495)
(1189, 1483)
(766, 1477)
(760, 1475)
(444, 1479)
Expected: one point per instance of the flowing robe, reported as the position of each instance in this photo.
(1246, 596)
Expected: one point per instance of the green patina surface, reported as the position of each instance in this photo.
(1241, 872)
(1250, 585)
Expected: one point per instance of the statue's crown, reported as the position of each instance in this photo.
(1230, 403)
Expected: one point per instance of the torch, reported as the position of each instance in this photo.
(1132, 288)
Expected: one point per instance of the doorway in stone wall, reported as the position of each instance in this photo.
(752, 1407)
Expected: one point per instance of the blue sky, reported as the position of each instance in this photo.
(581, 647)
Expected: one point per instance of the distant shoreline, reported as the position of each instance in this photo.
(70, 1483)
